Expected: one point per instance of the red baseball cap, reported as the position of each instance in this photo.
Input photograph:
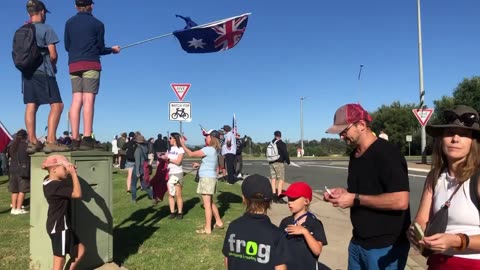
(346, 115)
(297, 190)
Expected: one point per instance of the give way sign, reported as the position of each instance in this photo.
(423, 115)
(180, 89)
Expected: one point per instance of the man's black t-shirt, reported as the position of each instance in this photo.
(301, 256)
(58, 194)
(253, 242)
(381, 169)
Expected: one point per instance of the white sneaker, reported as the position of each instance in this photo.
(14, 211)
(21, 212)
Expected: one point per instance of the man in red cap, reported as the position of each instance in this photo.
(377, 194)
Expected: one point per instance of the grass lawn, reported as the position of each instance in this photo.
(143, 236)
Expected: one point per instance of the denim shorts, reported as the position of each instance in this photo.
(388, 258)
(129, 164)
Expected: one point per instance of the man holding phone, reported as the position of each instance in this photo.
(377, 194)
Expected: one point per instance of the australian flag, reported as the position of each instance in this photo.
(212, 37)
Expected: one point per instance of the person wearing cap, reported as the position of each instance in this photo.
(229, 151)
(252, 241)
(304, 232)
(60, 187)
(207, 184)
(453, 177)
(140, 156)
(277, 167)
(19, 173)
(239, 158)
(377, 194)
(84, 42)
(42, 88)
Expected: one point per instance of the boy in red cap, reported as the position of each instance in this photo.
(59, 193)
(304, 232)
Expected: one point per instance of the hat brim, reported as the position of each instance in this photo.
(289, 194)
(437, 130)
(336, 129)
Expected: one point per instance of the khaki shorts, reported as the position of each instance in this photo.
(207, 186)
(85, 81)
(277, 171)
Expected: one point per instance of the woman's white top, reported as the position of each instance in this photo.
(463, 215)
(173, 154)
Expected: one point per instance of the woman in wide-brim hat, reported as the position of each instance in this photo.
(455, 159)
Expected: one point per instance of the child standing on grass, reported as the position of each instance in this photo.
(252, 241)
(304, 232)
(59, 193)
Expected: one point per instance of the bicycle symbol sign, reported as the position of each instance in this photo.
(180, 111)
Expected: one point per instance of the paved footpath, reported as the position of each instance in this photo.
(338, 229)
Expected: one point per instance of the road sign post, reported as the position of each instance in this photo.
(408, 138)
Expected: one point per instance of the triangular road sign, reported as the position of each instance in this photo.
(180, 89)
(423, 115)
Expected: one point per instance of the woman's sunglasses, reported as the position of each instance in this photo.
(466, 119)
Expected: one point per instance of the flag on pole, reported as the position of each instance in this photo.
(5, 137)
(234, 125)
(212, 37)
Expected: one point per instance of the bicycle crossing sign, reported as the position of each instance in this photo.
(423, 115)
(180, 89)
(180, 111)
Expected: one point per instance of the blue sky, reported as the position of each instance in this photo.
(290, 49)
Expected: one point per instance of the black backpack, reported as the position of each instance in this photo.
(130, 152)
(27, 56)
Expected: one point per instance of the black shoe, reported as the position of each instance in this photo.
(87, 143)
(171, 216)
(180, 216)
(281, 201)
(75, 146)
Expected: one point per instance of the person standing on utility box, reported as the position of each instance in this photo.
(84, 42)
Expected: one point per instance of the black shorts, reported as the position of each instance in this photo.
(18, 184)
(65, 242)
(41, 89)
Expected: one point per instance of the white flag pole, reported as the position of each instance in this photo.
(169, 34)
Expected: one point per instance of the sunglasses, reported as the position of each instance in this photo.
(466, 119)
(346, 129)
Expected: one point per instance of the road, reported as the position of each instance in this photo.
(320, 173)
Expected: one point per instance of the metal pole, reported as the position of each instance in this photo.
(422, 90)
(359, 83)
(301, 126)
(181, 132)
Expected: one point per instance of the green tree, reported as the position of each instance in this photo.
(468, 93)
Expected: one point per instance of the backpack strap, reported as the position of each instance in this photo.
(474, 190)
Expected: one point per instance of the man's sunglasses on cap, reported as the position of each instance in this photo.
(466, 119)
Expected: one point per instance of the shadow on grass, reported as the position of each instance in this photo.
(224, 200)
(128, 239)
(3, 182)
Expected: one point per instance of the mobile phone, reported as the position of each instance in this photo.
(328, 190)
(418, 231)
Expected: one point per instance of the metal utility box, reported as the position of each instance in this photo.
(91, 215)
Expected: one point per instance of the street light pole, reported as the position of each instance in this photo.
(301, 126)
(422, 90)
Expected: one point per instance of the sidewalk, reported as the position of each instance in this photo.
(338, 228)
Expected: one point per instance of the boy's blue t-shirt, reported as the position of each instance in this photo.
(208, 168)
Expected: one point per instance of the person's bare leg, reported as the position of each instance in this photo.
(171, 203)
(30, 121)
(75, 108)
(274, 183)
(178, 195)
(20, 199)
(14, 201)
(207, 204)
(88, 113)
(129, 179)
(216, 214)
(56, 110)
(280, 187)
(81, 252)
(58, 263)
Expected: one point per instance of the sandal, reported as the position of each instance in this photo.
(202, 231)
(215, 226)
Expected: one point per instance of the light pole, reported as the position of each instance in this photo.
(301, 126)
(422, 90)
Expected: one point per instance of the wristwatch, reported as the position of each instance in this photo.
(356, 200)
